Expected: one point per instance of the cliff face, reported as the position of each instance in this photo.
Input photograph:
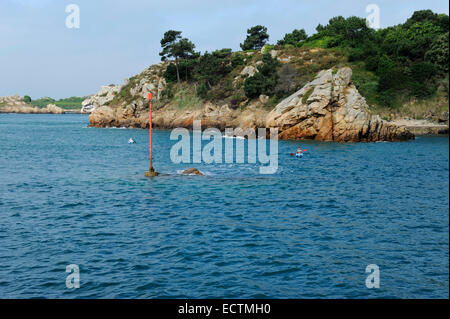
(104, 96)
(330, 108)
(126, 105)
(211, 115)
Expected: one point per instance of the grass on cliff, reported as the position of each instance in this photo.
(185, 97)
(307, 95)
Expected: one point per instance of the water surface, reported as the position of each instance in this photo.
(76, 195)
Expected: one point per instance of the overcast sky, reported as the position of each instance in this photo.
(117, 39)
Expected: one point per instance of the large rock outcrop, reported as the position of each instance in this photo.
(104, 96)
(210, 115)
(134, 89)
(330, 108)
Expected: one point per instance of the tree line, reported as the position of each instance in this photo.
(407, 58)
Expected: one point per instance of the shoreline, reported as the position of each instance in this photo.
(417, 127)
(432, 130)
(422, 127)
(38, 113)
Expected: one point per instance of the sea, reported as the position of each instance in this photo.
(75, 204)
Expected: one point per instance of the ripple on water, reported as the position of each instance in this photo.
(308, 231)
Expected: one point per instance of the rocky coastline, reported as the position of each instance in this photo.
(329, 108)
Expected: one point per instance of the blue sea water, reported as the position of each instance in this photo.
(76, 195)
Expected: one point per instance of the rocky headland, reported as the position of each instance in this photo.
(16, 104)
(328, 108)
(323, 104)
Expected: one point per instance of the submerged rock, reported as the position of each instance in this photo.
(192, 171)
(330, 108)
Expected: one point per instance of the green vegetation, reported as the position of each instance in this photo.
(174, 46)
(438, 53)
(213, 66)
(256, 38)
(73, 102)
(207, 69)
(237, 59)
(295, 38)
(307, 95)
(408, 60)
(186, 98)
(265, 80)
(401, 69)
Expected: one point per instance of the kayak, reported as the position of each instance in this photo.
(298, 155)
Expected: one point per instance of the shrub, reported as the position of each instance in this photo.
(27, 99)
(237, 60)
(202, 90)
(421, 74)
(422, 71)
(387, 97)
(286, 80)
(265, 80)
(170, 74)
(356, 54)
(254, 85)
(212, 67)
(269, 66)
(372, 63)
(439, 53)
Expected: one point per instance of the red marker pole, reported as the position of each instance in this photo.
(151, 133)
(151, 172)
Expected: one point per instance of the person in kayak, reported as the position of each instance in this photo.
(299, 152)
(131, 141)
